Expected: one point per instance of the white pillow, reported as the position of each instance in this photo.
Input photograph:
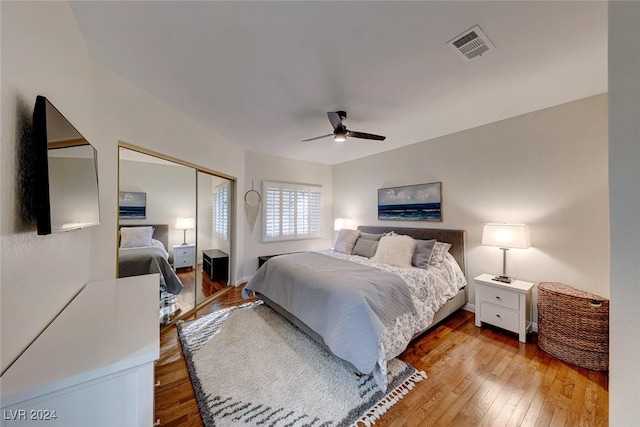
(395, 250)
(346, 240)
(135, 237)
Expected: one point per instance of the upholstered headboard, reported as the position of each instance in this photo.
(160, 232)
(457, 238)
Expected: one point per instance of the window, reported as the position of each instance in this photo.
(291, 211)
(221, 211)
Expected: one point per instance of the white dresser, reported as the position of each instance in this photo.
(505, 305)
(94, 364)
(184, 256)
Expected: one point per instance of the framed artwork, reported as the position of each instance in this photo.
(133, 205)
(422, 202)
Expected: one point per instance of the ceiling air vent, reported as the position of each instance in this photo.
(471, 44)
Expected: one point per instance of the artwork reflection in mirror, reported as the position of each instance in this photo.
(132, 205)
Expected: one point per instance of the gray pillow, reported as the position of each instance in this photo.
(365, 247)
(346, 240)
(369, 236)
(422, 253)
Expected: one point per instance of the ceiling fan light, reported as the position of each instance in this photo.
(340, 136)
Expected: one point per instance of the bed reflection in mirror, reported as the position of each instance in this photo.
(186, 215)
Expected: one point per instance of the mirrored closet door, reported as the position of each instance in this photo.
(214, 243)
(174, 220)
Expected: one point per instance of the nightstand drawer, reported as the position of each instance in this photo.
(183, 262)
(499, 297)
(184, 252)
(499, 316)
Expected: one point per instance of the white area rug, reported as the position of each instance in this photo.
(251, 367)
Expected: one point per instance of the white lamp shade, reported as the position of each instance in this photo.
(187, 223)
(340, 223)
(512, 236)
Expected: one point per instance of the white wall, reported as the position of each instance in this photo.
(547, 169)
(170, 193)
(43, 53)
(624, 184)
(259, 168)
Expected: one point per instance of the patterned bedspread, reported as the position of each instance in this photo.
(428, 290)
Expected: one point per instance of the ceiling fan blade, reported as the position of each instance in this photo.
(362, 135)
(334, 118)
(317, 137)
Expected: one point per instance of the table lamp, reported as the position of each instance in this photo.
(184, 224)
(506, 236)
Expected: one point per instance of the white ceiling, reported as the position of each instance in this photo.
(264, 74)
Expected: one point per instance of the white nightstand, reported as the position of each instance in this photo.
(506, 305)
(184, 256)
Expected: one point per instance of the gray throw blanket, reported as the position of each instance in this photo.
(347, 304)
(148, 260)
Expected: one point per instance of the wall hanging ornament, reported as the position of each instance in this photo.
(252, 206)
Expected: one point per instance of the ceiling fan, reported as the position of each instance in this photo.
(340, 132)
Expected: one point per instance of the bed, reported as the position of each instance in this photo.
(365, 312)
(136, 260)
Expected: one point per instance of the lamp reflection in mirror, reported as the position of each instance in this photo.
(506, 236)
(184, 224)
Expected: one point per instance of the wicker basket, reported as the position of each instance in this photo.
(573, 325)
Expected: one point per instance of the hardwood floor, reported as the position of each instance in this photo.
(195, 285)
(186, 297)
(476, 377)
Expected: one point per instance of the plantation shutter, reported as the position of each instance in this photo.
(291, 211)
(221, 211)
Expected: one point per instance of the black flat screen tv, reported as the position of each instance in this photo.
(66, 177)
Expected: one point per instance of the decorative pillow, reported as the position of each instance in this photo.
(422, 253)
(134, 237)
(365, 247)
(369, 236)
(439, 252)
(346, 240)
(395, 250)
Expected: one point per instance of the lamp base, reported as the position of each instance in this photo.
(503, 279)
